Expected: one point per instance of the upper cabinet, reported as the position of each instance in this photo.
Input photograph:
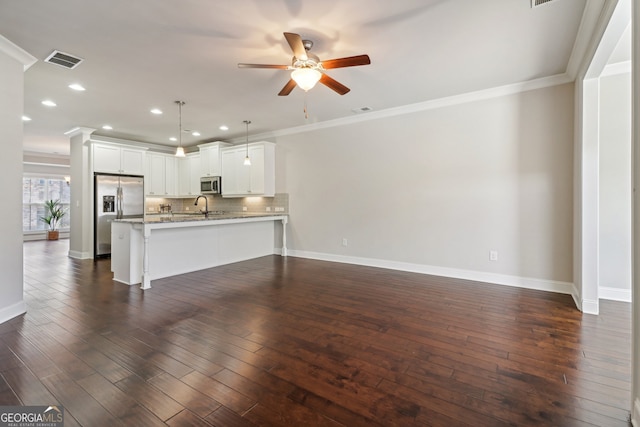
(118, 159)
(210, 164)
(258, 179)
(161, 175)
(189, 175)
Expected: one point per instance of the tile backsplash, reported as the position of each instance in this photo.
(218, 203)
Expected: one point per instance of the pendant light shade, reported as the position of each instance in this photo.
(306, 78)
(247, 160)
(180, 149)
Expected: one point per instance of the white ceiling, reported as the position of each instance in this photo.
(148, 53)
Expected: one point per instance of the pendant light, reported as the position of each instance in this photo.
(247, 160)
(180, 149)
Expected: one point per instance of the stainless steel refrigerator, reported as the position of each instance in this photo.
(116, 197)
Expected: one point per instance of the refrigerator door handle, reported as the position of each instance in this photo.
(119, 203)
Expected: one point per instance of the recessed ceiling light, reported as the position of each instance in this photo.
(195, 133)
(173, 138)
(49, 103)
(156, 111)
(107, 127)
(26, 118)
(77, 86)
(224, 127)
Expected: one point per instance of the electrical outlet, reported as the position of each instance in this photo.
(244, 209)
(493, 255)
(151, 209)
(279, 209)
(345, 242)
(186, 208)
(268, 208)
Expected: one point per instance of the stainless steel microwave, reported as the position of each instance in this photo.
(210, 185)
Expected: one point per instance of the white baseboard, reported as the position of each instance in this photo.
(576, 297)
(480, 276)
(590, 306)
(635, 415)
(80, 255)
(614, 294)
(12, 311)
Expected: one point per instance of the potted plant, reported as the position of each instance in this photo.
(53, 215)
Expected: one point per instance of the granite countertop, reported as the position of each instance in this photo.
(192, 216)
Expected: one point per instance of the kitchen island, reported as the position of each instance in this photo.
(145, 249)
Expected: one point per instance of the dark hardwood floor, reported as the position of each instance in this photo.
(295, 342)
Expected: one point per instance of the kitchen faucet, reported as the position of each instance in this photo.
(206, 205)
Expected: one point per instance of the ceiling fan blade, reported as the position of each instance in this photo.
(295, 41)
(334, 84)
(280, 67)
(350, 61)
(286, 90)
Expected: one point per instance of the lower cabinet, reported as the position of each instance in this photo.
(240, 180)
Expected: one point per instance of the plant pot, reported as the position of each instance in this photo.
(53, 235)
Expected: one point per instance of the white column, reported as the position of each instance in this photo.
(13, 63)
(146, 278)
(81, 227)
(635, 338)
(589, 171)
(285, 220)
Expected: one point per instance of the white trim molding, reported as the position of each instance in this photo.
(478, 276)
(617, 68)
(80, 255)
(589, 306)
(614, 294)
(14, 51)
(14, 310)
(464, 98)
(635, 415)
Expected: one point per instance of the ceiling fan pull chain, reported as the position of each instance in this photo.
(306, 110)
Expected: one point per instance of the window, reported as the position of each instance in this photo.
(37, 190)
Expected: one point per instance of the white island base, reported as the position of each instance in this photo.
(143, 251)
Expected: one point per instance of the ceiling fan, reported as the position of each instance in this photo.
(307, 69)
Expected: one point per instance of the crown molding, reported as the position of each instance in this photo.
(421, 106)
(14, 51)
(617, 68)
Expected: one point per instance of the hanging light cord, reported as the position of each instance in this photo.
(180, 150)
(246, 122)
(247, 160)
(180, 123)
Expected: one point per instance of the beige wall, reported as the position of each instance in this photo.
(440, 187)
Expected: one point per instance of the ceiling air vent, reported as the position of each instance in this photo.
(538, 3)
(63, 59)
(362, 109)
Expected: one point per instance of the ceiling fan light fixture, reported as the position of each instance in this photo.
(306, 78)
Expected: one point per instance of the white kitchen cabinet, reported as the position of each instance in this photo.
(161, 175)
(258, 179)
(189, 175)
(118, 159)
(210, 158)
